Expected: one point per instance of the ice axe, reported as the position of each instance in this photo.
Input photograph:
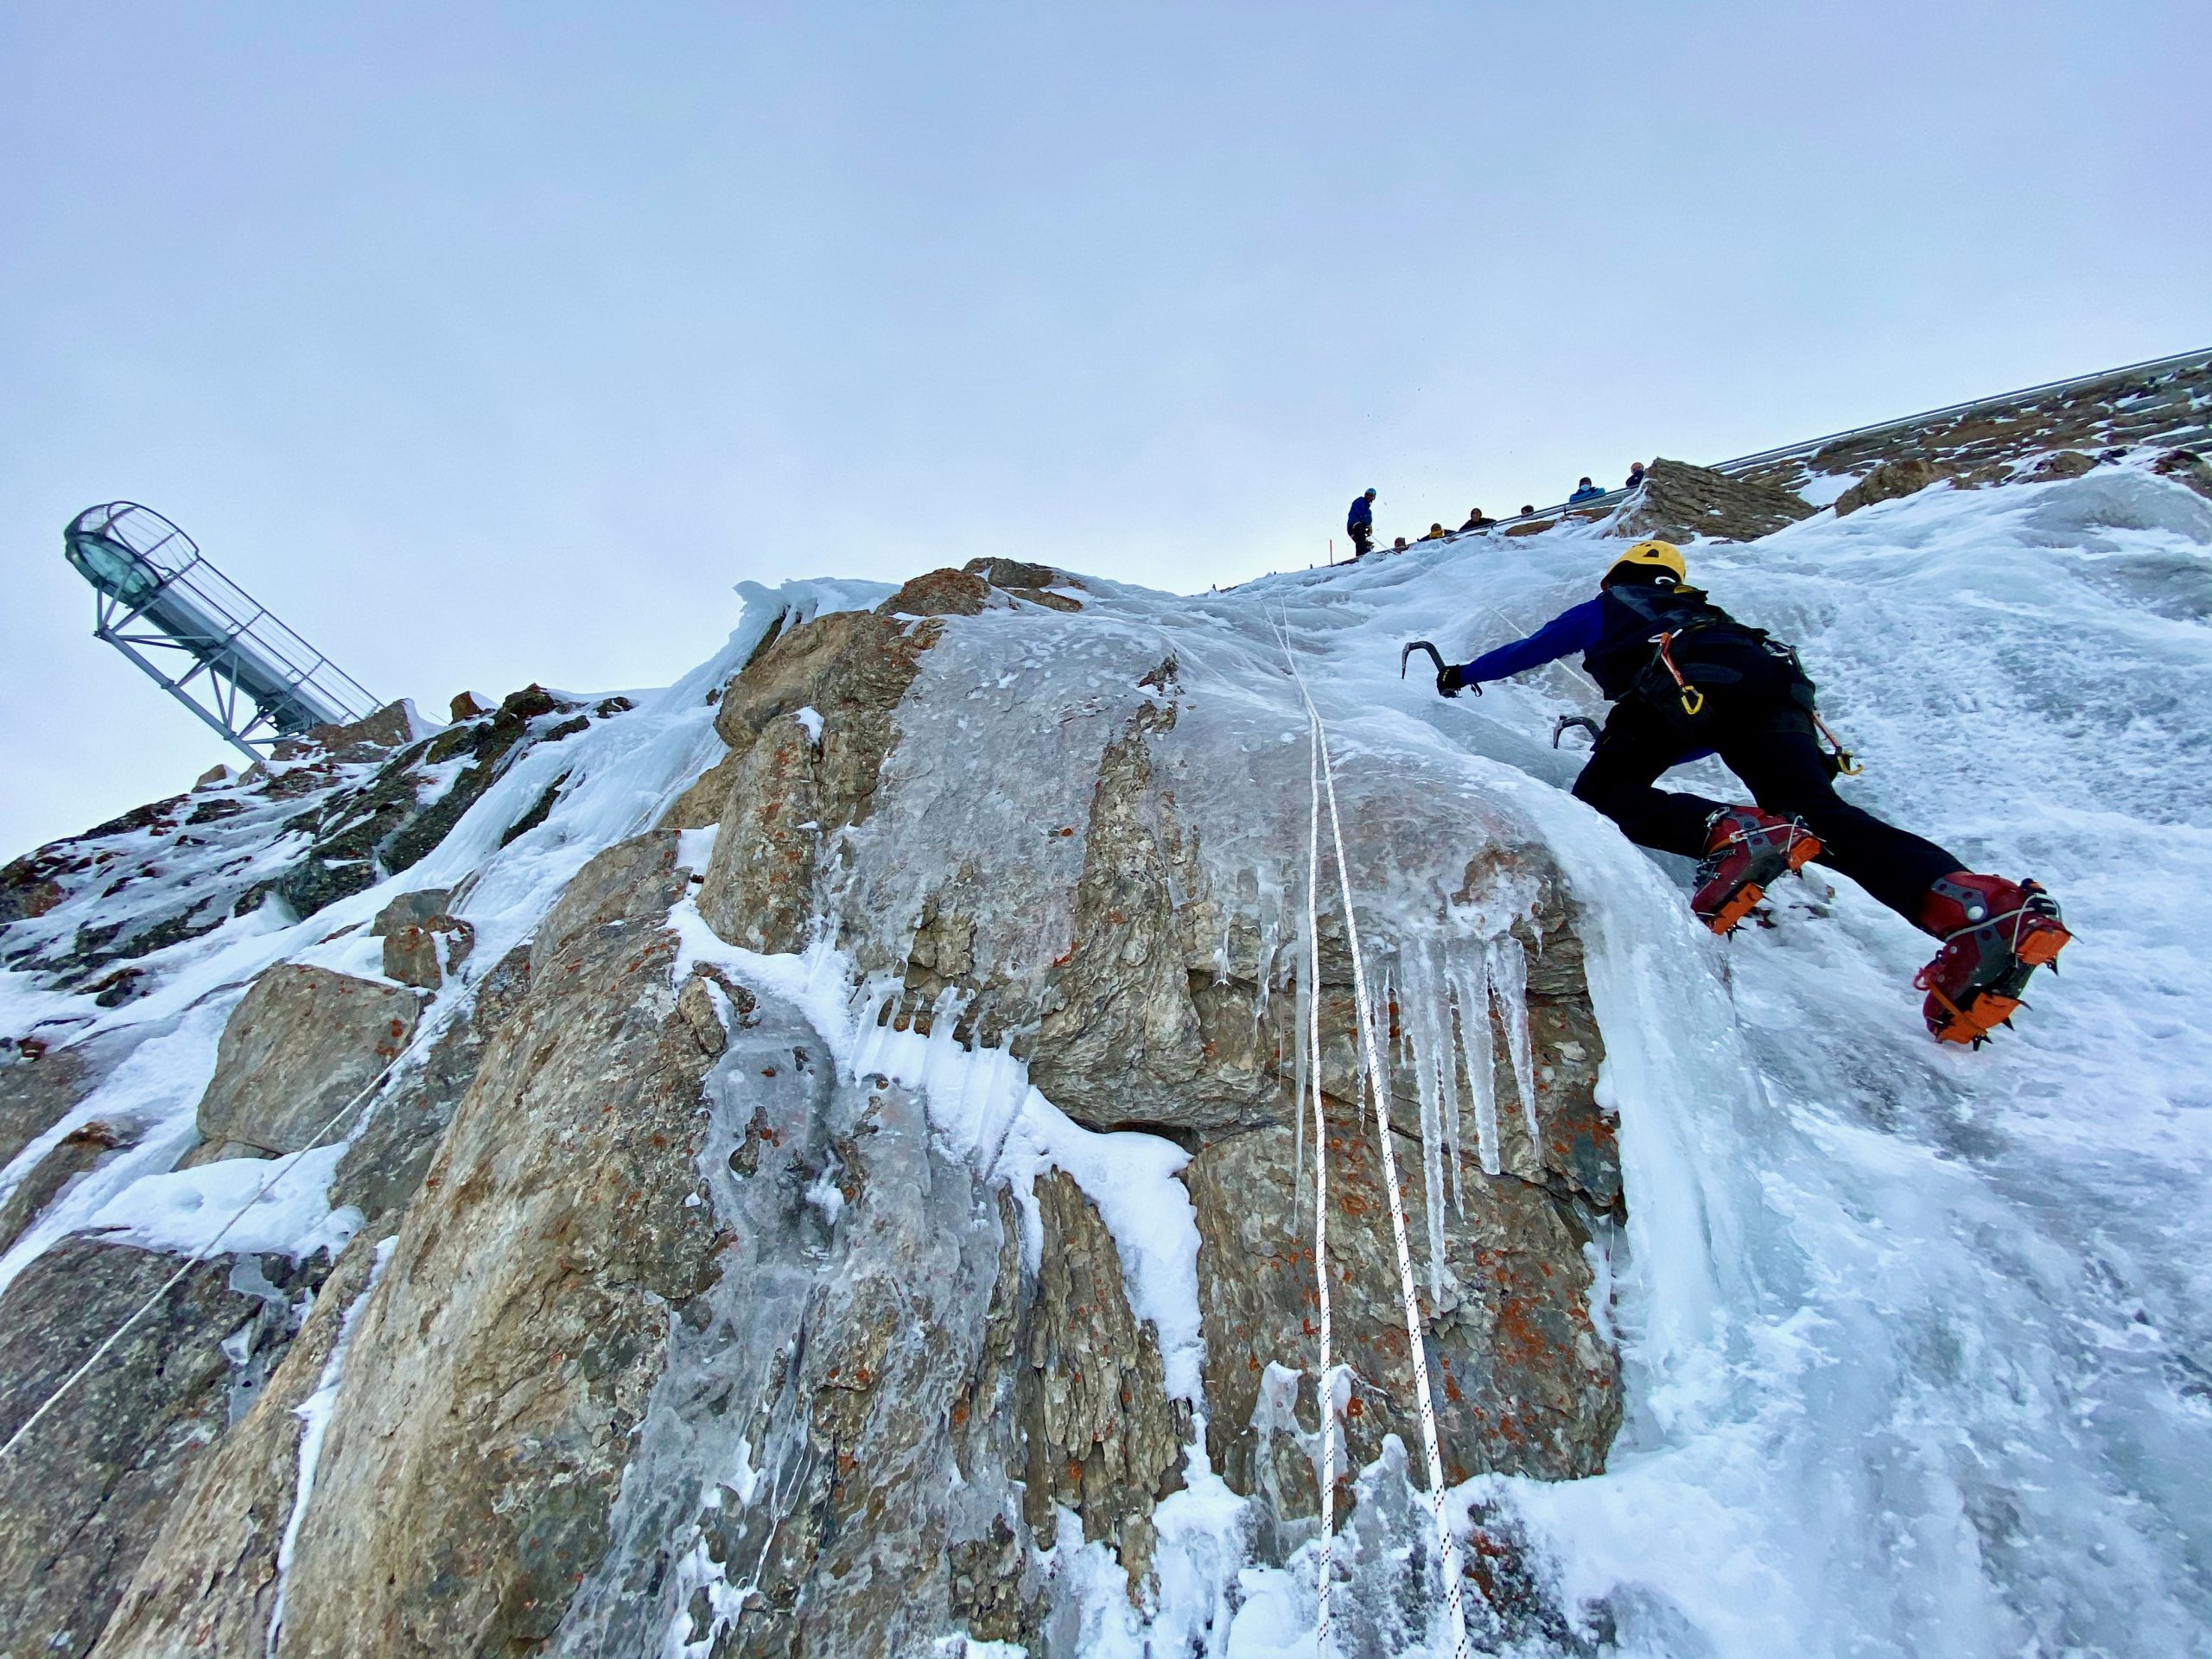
(1560, 726)
(1436, 657)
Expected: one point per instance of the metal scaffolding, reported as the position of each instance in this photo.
(239, 669)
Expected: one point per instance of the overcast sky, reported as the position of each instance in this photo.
(492, 344)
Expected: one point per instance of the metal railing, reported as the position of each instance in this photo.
(242, 672)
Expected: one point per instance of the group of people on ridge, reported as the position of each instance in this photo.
(1686, 679)
(1359, 523)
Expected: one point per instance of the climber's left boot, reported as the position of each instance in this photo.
(1995, 934)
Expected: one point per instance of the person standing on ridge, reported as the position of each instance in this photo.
(1359, 524)
(1585, 491)
(1686, 679)
(1635, 475)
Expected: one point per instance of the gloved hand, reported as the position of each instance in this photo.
(1449, 683)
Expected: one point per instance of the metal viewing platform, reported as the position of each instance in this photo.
(239, 669)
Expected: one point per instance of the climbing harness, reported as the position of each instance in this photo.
(284, 1164)
(1379, 1091)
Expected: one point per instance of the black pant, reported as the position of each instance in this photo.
(1764, 737)
(1361, 536)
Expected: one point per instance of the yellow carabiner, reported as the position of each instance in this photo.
(1845, 765)
(1693, 701)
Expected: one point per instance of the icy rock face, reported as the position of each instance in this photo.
(85, 1495)
(1082, 849)
(300, 1044)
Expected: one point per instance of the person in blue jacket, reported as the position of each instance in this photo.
(1585, 491)
(1686, 679)
(1359, 524)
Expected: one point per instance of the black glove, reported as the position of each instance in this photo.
(1450, 682)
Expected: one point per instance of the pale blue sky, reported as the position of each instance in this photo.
(492, 344)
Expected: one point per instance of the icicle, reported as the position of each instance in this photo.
(1420, 993)
(1508, 983)
(1471, 990)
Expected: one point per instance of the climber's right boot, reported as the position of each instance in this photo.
(1746, 851)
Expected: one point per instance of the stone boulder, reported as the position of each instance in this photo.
(1680, 502)
(300, 1044)
(2185, 467)
(2067, 463)
(1888, 482)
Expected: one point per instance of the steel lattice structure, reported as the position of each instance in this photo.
(158, 601)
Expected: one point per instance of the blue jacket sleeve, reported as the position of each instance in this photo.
(1568, 631)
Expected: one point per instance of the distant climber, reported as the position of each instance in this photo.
(1476, 521)
(1635, 475)
(1585, 490)
(1359, 524)
(1686, 679)
(1436, 533)
(1398, 546)
(1525, 510)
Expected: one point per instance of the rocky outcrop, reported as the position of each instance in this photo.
(207, 1586)
(1099, 1436)
(301, 1043)
(1680, 502)
(389, 1158)
(502, 1363)
(1887, 482)
(808, 723)
(86, 1491)
(82, 1149)
(1984, 441)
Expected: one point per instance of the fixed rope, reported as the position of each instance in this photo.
(1326, 1392)
(1378, 1086)
(198, 1255)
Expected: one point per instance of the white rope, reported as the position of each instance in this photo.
(1325, 1393)
(1378, 1085)
(197, 1257)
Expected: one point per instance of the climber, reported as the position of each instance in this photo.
(1634, 476)
(1584, 490)
(1476, 520)
(1359, 524)
(1686, 679)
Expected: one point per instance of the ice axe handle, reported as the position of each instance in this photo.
(1434, 656)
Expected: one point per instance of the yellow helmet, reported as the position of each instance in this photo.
(1660, 555)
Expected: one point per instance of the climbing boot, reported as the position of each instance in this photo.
(1746, 850)
(1995, 933)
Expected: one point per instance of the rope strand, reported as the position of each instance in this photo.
(192, 1262)
(1379, 1087)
